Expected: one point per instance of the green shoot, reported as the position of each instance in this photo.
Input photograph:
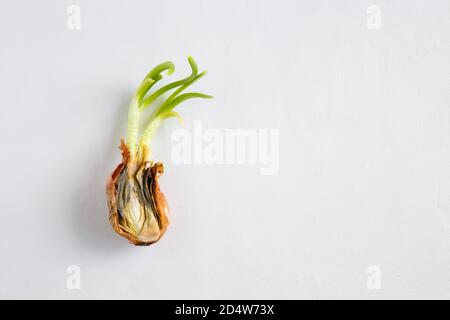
(154, 125)
(142, 100)
(147, 101)
(167, 107)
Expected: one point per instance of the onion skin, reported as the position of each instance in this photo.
(143, 220)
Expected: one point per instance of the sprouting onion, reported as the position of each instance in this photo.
(138, 210)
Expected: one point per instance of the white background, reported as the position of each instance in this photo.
(364, 149)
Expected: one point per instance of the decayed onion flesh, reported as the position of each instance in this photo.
(138, 210)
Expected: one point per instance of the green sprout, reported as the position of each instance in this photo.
(142, 99)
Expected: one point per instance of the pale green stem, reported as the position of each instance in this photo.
(133, 127)
(154, 125)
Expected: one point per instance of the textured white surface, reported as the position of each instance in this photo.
(364, 123)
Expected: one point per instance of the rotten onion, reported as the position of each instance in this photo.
(138, 210)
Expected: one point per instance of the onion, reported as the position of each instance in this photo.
(138, 210)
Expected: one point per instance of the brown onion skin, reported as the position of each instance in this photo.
(160, 201)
